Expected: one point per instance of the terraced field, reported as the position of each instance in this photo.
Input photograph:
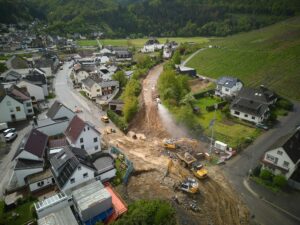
(269, 56)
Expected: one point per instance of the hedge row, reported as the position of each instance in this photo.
(119, 121)
(204, 93)
(220, 105)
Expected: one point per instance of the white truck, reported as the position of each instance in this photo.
(3, 126)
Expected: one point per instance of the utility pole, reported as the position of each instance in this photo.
(212, 129)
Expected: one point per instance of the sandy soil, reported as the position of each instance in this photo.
(217, 202)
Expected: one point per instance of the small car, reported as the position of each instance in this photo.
(10, 136)
(262, 126)
(9, 130)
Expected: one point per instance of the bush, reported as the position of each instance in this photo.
(204, 93)
(131, 106)
(256, 171)
(285, 104)
(116, 119)
(266, 175)
(279, 181)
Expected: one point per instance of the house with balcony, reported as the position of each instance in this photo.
(228, 86)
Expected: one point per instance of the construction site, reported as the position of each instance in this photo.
(170, 165)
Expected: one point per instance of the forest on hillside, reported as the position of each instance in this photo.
(137, 18)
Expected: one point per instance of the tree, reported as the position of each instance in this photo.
(121, 77)
(279, 181)
(131, 106)
(188, 99)
(176, 59)
(151, 212)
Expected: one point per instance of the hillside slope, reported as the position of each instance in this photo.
(269, 56)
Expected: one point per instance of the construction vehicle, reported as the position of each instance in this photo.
(110, 130)
(169, 144)
(186, 158)
(201, 173)
(105, 119)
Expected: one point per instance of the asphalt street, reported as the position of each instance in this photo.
(236, 170)
(67, 95)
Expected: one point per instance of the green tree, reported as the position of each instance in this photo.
(121, 77)
(279, 181)
(266, 175)
(188, 99)
(176, 59)
(133, 88)
(131, 106)
(153, 212)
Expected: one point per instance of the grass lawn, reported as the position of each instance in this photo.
(225, 130)
(23, 211)
(267, 56)
(138, 43)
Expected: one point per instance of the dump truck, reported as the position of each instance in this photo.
(169, 144)
(190, 185)
(186, 158)
(105, 119)
(201, 174)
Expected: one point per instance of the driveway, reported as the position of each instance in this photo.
(236, 170)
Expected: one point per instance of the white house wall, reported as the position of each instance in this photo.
(54, 129)
(22, 174)
(46, 182)
(34, 90)
(7, 110)
(88, 140)
(79, 179)
(107, 175)
(244, 117)
(280, 161)
(28, 109)
(45, 89)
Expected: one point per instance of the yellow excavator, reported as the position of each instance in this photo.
(169, 144)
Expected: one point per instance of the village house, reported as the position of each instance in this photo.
(10, 76)
(253, 104)
(91, 88)
(151, 46)
(283, 157)
(36, 92)
(58, 111)
(15, 104)
(83, 135)
(37, 77)
(168, 49)
(29, 158)
(79, 76)
(228, 86)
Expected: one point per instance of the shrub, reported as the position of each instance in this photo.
(116, 119)
(256, 171)
(266, 175)
(279, 181)
(285, 104)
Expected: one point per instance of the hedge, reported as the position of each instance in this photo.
(204, 93)
(220, 105)
(119, 121)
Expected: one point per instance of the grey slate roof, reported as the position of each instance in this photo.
(228, 82)
(37, 78)
(249, 107)
(11, 75)
(28, 164)
(55, 107)
(88, 82)
(66, 162)
(291, 144)
(110, 83)
(261, 94)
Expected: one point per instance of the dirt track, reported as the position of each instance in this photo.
(217, 201)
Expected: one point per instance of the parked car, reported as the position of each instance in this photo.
(9, 130)
(10, 136)
(262, 126)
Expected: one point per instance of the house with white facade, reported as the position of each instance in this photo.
(59, 111)
(83, 135)
(71, 167)
(253, 104)
(168, 49)
(91, 88)
(283, 157)
(15, 104)
(29, 158)
(151, 46)
(228, 86)
(36, 92)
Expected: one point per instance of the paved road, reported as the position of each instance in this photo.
(236, 170)
(72, 99)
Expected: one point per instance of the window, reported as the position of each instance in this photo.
(83, 129)
(236, 113)
(81, 140)
(82, 146)
(98, 90)
(279, 152)
(95, 139)
(246, 115)
(29, 110)
(28, 104)
(18, 108)
(286, 164)
(41, 183)
(8, 103)
(253, 117)
(88, 128)
(11, 110)
(226, 89)
(72, 181)
(96, 147)
(79, 167)
(272, 158)
(85, 175)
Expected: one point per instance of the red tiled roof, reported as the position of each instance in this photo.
(119, 205)
(36, 143)
(75, 128)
